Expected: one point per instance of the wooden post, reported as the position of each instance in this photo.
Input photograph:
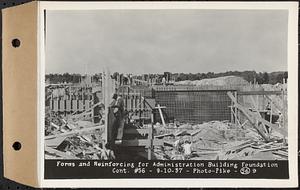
(106, 104)
(231, 112)
(271, 111)
(161, 114)
(258, 114)
(235, 108)
(284, 114)
(140, 109)
(237, 105)
(51, 101)
(257, 107)
(150, 137)
(263, 101)
(283, 106)
(149, 143)
(248, 114)
(273, 104)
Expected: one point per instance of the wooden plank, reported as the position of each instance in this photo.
(271, 113)
(137, 131)
(150, 102)
(60, 153)
(263, 121)
(247, 93)
(281, 154)
(150, 147)
(244, 111)
(161, 114)
(68, 108)
(81, 105)
(231, 115)
(196, 132)
(274, 105)
(55, 126)
(143, 106)
(86, 104)
(71, 126)
(55, 105)
(86, 112)
(74, 107)
(182, 132)
(257, 113)
(150, 136)
(236, 120)
(141, 142)
(272, 149)
(205, 152)
(284, 114)
(235, 109)
(140, 107)
(128, 103)
(62, 105)
(51, 102)
(164, 135)
(134, 103)
(74, 132)
(54, 142)
(273, 126)
(167, 143)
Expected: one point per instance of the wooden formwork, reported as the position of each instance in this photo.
(255, 115)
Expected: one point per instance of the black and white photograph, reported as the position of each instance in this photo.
(150, 94)
(171, 85)
(183, 84)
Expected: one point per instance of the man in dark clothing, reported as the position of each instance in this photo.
(117, 108)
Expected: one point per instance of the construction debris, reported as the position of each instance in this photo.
(75, 118)
(218, 140)
(67, 138)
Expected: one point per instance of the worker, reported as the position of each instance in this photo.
(268, 106)
(126, 79)
(178, 145)
(187, 149)
(111, 122)
(280, 120)
(164, 81)
(107, 153)
(98, 113)
(118, 110)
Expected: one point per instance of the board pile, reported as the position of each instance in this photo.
(68, 138)
(218, 140)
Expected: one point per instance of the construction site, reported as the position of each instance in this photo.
(225, 118)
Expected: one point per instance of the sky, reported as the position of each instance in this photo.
(156, 41)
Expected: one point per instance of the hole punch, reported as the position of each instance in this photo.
(16, 43)
(17, 146)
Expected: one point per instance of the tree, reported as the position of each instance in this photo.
(265, 78)
(285, 75)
